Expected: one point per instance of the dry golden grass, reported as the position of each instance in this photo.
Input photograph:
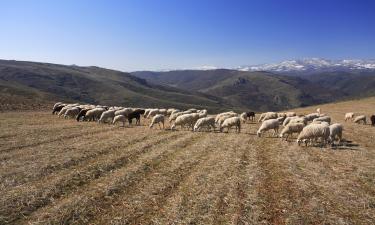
(57, 171)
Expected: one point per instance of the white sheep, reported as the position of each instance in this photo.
(173, 116)
(202, 113)
(157, 119)
(271, 124)
(323, 119)
(72, 112)
(206, 122)
(110, 114)
(119, 118)
(223, 118)
(312, 132)
(290, 129)
(186, 119)
(335, 130)
(94, 114)
(349, 116)
(267, 116)
(287, 120)
(225, 114)
(63, 110)
(311, 116)
(230, 122)
(243, 117)
(359, 119)
(124, 112)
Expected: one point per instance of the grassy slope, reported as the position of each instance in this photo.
(86, 173)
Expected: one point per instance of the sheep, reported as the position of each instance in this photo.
(349, 116)
(311, 116)
(313, 132)
(119, 118)
(230, 122)
(110, 114)
(58, 108)
(206, 122)
(288, 119)
(157, 119)
(81, 114)
(268, 125)
(177, 114)
(72, 112)
(186, 119)
(323, 118)
(136, 115)
(218, 116)
(359, 119)
(124, 112)
(223, 118)
(335, 130)
(171, 110)
(243, 117)
(250, 115)
(94, 114)
(153, 112)
(146, 113)
(281, 119)
(290, 129)
(64, 109)
(290, 114)
(372, 118)
(202, 113)
(267, 116)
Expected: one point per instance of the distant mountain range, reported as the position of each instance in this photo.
(216, 89)
(314, 65)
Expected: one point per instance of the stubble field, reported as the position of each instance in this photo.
(59, 171)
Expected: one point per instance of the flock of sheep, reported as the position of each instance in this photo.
(311, 128)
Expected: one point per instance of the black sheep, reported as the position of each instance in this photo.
(82, 113)
(250, 115)
(372, 120)
(136, 115)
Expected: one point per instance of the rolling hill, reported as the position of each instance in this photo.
(26, 82)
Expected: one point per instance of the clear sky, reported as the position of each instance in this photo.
(173, 34)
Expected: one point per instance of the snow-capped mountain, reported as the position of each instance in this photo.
(313, 65)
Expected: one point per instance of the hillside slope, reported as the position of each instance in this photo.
(51, 82)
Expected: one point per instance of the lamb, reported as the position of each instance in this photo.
(72, 112)
(267, 116)
(335, 130)
(323, 118)
(268, 125)
(136, 115)
(157, 119)
(119, 118)
(372, 118)
(230, 122)
(290, 129)
(110, 114)
(313, 132)
(349, 116)
(359, 119)
(187, 119)
(206, 122)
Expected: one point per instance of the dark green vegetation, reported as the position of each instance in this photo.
(25, 83)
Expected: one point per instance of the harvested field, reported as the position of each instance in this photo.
(59, 171)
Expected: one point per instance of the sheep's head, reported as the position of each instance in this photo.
(259, 133)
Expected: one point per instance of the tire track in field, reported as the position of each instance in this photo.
(89, 151)
(33, 196)
(85, 201)
(64, 137)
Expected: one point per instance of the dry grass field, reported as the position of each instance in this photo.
(57, 171)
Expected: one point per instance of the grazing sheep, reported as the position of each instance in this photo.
(230, 122)
(58, 108)
(177, 114)
(372, 118)
(349, 116)
(311, 116)
(171, 110)
(224, 114)
(271, 124)
(267, 116)
(186, 119)
(288, 119)
(359, 119)
(335, 130)
(82, 114)
(290, 129)
(110, 114)
(250, 116)
(206, 122)
(323, 119)
(157, 119)
(72, 112)
(64, 109)
(136, 115)
(94, 114)
(124, 112)
(290, 114)
(119, 118)
(312, 132)
(223, 118)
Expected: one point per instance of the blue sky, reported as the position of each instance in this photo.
(171, 34)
